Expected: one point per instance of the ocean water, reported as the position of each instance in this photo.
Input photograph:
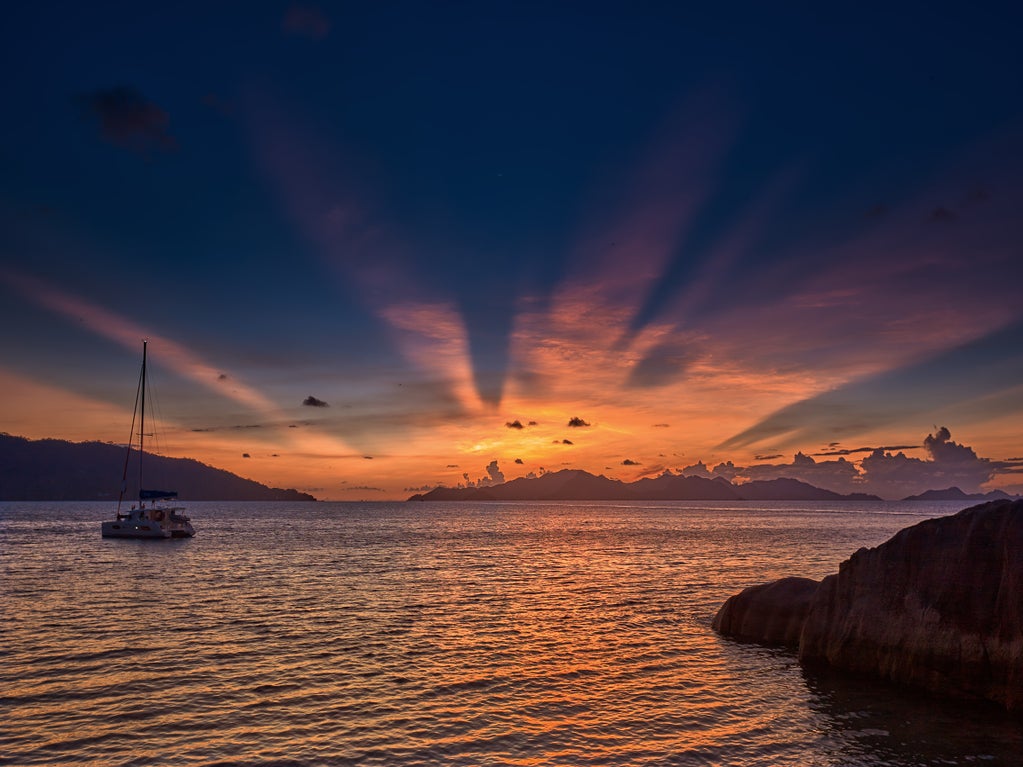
(444, 634)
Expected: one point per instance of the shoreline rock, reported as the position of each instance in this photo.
(771, 613)
(938, 606)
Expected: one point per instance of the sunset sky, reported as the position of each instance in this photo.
(378, 247)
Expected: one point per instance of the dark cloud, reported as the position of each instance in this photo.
(662, 425)
(942, 448)
(563, 442)
(977, 195)
(129, 120)
(516, 424)
(767, 457)
(532, 423)
(222, 377)
(246, 455)
(423, 489)
(854, 450)
(630, 462)
(942, 214)
(312, 401)
(368, 457)
(366, 488)
(306, 21)
(577, 422)
(519, 461)
(452, 466)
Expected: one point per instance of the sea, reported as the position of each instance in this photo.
(445, 634)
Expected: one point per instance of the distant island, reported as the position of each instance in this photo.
(578, 485)
(955, 494)
(57, 470)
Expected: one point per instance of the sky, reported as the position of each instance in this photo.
(380, 247)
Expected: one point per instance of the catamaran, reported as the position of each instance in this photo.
(153, 520)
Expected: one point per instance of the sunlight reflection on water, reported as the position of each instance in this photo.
(414, 634)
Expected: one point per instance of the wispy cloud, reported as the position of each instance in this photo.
(119, 328)
(129, 120)
(175, 356)
(986, 366)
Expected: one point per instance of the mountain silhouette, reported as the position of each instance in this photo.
(578, 485)
(955, 494)
(57, 470)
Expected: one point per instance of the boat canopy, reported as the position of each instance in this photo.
(155, 495)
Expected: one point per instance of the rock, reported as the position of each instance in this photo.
(938, 606)
(772, 613)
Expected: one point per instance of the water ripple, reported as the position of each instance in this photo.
(437, 635)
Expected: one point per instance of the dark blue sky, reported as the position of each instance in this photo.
(288, 190)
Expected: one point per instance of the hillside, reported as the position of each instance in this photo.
(56, 470)
(576, 485)
(955, 494)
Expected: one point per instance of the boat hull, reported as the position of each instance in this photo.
(129, 528)
(151, 523)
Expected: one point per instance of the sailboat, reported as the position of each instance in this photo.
(148, 518)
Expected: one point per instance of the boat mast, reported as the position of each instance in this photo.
(131, 433)
(142, 418)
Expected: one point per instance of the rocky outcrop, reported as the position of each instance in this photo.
(773, 613)
(938, 606)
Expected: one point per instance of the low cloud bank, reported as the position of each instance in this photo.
(883, 471)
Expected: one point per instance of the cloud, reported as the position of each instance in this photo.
(222, 377)
(662, 425)
(129, 120)
(577, 422)
(312, 401)
(885, 473)
(246, 455)
(516, 424)
(839, 475)
(767, 457)
(563, 442)
(365, 488)
(630, 462)
(942, 215)
(494, 477)
(951, 465)
(306, 21)
(854, 450)
(519, 461)
(942, 448)
(989, 365)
